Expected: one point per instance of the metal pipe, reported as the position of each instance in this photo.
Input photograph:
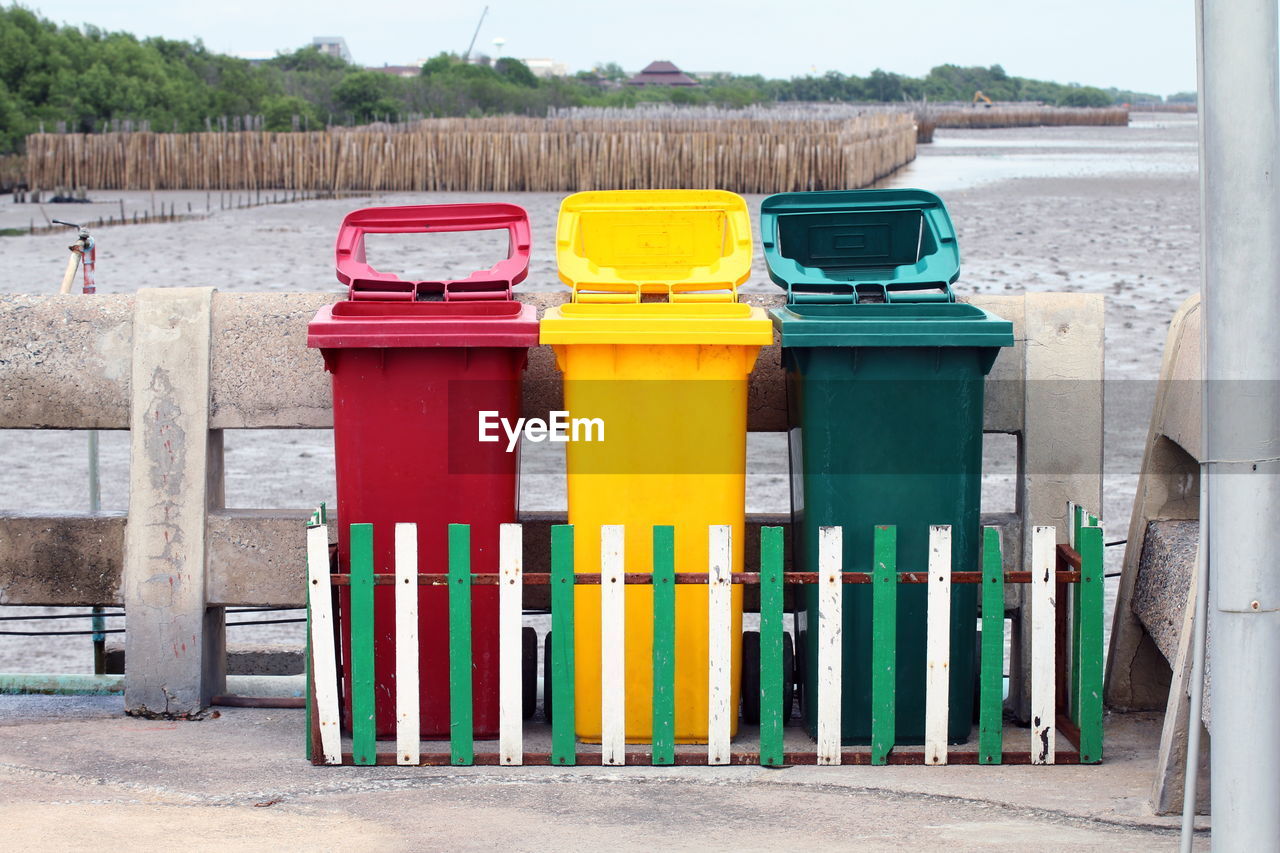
(60, 684)
(1239, 161)
(226, 701)
(71, 684)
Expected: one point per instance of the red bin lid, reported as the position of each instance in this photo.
(366, 283)
(400, 323)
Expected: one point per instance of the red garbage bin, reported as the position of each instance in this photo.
(413, 364)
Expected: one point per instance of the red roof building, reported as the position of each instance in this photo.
(661, 73)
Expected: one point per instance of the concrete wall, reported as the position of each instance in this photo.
(211, 362)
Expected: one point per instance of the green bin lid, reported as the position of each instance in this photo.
(954, 324)
(859, 246)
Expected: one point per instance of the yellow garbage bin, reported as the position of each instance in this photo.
(667, 380)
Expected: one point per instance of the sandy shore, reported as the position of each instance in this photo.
(1098, 209)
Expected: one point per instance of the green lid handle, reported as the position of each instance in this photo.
(854, 246)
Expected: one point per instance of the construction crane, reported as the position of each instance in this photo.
(466, 57)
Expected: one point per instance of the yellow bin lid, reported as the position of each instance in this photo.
(692, 245)
(657, 323)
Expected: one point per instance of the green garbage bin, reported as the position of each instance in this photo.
(885, 374)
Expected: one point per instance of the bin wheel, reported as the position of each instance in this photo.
(529, 671)
(751, 678)
(977, 682)
(801, 676)
(788, 678)
(546, 680)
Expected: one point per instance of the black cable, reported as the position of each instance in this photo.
(267, 622)
(120, 613)
(59, 633)
(263, 609)
(1117, 542)
(57, 616)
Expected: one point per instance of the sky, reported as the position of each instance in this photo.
(1143, 45)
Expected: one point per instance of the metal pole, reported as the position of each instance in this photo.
(1239, 160)
(1200, 585)
(1191, 776)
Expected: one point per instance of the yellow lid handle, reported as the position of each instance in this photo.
(624, 292)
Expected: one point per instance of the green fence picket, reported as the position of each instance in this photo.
(1078, 522)
(991, 668)
(461, 729)
(884, 643)
(1089, 649)
(664, 645)
(771, 675)
(364, 732)
(563, 745)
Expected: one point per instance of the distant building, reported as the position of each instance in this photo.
(547, 67)
(332, 45)
(661, 73)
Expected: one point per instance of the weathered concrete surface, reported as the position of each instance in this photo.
(1061, 444)
(265, 659)
(1166, 565)
(72, 560)
(174, 641)
(257, 557)
(1149, 662)
(262, 374)
(74, 774)
(64, 361)
(1138, 673)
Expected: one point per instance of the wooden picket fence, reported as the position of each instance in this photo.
(1067, 646)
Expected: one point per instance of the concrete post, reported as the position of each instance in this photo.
(1239, 163)
(1060, 457)
(174, 643)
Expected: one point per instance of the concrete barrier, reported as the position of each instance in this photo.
(1149, 662)
(211, 361)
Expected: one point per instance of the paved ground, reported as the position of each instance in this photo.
(77, 774)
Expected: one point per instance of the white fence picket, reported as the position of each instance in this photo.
(938, 646)
(1043, 688)
(324, 660)
(830, 640)
(407, 710)
(720, 660)
(510, 645)
(613, 648)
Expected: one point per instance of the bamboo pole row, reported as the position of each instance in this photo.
(12, 169)
(1027, 116)
(504, 154)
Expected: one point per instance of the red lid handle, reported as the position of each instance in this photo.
(365, 282)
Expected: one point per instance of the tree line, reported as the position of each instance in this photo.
(83, 79)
